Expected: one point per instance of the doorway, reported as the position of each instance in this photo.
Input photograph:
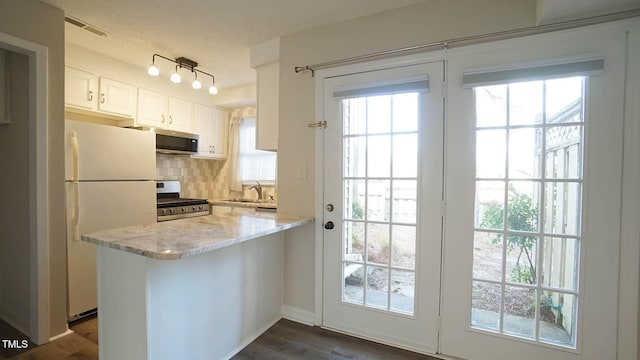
(24, 287)
(383, 151)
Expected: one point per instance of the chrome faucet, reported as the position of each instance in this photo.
(258, 189)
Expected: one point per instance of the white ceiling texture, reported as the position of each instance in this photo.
(218, 33)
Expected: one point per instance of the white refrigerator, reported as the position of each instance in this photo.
(109, 175)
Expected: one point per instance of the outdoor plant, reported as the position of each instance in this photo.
(522, 216)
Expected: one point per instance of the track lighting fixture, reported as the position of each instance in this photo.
(183, 63)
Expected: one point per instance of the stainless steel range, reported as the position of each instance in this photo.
(171, 206)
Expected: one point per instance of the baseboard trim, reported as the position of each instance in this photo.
(56, 337)
(298, 315)
(251, 338)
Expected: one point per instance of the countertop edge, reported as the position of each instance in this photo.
(195, 251)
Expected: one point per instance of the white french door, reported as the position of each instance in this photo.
(532, 235)
(383, 171)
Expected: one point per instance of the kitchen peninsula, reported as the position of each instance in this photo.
(197, 288)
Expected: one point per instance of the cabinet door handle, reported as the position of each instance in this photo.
(170, 119)
(90, 97)
(162, 119)
(103, 98)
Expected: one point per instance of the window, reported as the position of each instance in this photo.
(254, 165)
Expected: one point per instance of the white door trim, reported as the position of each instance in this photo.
(38, 184)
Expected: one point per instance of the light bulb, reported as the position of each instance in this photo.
(213, 90)
(196, 84)
(153, 70)
(175, 78)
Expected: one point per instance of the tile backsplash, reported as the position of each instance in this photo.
(202, 179)
(199, 178)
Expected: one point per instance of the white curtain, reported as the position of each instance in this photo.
(235, 184)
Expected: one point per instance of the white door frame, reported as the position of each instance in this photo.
(38, 184)
(320, 75)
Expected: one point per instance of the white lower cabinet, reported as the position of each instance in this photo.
(212, 127)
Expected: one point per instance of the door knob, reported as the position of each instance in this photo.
(329, 225)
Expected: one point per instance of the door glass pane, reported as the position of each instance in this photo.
(403, 291)
(525, 150)
(355, 116)
(525, 103)
(560, 263)
(521, 262)
(405, 112)
(354, 156)
(528, 209)
(379, 156)
(558, 318)
(487, 256)
(489, 205)
(490, 153)
(378, 250)
(405, 198)
(403, 252)
(405, 155)
(562, 208)
(354, 241)
(519, 311)
(491, 106)
(485, 305)
(354, 199)
(564, 101)
(380, 182)
(379, 114)
(353, 291)
(377, 287)
(378, 196)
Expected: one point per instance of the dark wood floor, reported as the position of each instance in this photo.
(285, 340)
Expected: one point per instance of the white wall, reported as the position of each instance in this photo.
(39, 23)
(417, 24)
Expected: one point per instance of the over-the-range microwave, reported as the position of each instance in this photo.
(175, 142)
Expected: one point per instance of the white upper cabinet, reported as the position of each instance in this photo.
(152, 109)
(161, 111)
(117, 97)
(265, 59)
(180, 115)
(212, 127)
(80, 89)
(87, 91)
(268, 107)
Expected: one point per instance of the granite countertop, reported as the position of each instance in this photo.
(177, 239)
(243, 203)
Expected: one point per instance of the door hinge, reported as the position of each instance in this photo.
(444, 89)
(320, 124)
(443, 208)
(439, 324)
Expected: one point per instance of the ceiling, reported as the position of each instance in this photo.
(215, 33)
(218, 33)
